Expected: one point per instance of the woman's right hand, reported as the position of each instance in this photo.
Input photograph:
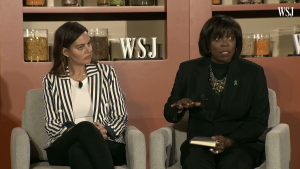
(185, 103)
(101, 128)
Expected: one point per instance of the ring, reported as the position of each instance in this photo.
(217, 152)
(217, 142)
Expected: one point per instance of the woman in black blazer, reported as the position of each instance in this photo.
(227, 99)
(85, 111)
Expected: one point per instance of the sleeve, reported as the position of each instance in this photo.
(178, 92)
(257, 120)
(118, 115)
(54, 126)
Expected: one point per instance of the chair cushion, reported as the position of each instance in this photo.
(176, 166)
(45, 165)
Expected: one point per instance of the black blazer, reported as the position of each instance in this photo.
(244, 110)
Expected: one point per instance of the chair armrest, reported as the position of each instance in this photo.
(19, 149)
(278, 147)
(135, 148)
(161, 142)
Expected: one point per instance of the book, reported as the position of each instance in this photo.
(204, 141)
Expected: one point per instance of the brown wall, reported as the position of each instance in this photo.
(147, 83)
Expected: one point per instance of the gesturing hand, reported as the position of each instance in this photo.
(101, 128)
(222, 144)
(185, 103)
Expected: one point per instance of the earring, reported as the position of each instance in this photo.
(67, 56)
(208, 51)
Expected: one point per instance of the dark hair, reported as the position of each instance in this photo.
(219, 25)
(64, 36)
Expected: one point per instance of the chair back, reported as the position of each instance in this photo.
(274, 117)
(181, 127)
(34, 124)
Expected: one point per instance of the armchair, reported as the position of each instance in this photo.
(28, 141)
(165, 142)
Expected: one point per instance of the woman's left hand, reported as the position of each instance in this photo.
(222, 144)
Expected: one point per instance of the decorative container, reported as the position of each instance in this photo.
(117, 2)
(262, 45)
(71, 2)
(35, 45)
(99, 40)
(244, 1)
(248, 45)
(34, 2)
(142, 2)
(216, 2)
(103, 2)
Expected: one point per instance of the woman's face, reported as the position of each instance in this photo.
(80, 52)
(222, 48)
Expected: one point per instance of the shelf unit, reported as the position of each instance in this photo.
(94, 13)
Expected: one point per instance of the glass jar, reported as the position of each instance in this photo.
(50, 3)
(71, 2)
(216, 2)
(257, 1)
(262, 45)
(287, 1)
(142, 2)
(35, 45)
(99, 40)
(34, 2)
(103, 2)
(244, 1)
(117, 2)
(248, 45)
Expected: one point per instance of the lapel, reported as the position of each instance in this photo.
(233, 83)
(64, 88)
(95, 79)
(202, 75)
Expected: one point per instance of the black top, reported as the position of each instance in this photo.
(212, 103)
(220, 70)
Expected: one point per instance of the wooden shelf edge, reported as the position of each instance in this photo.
(280, 57)
(253, 7)
(104, 62)
(123, 9)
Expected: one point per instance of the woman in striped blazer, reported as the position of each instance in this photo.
(85, 111)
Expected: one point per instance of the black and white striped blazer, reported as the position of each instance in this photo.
(107, 99)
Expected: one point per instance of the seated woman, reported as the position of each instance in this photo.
(227, 100)
(85, 110)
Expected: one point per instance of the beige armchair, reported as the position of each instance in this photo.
(28, 142)
(165, 142)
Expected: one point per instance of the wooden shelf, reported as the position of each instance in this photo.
(254, 7)
(123, 9)
(254, 10)
(94, 13)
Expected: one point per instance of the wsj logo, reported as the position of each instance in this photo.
(127, 46)
(286, 11)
